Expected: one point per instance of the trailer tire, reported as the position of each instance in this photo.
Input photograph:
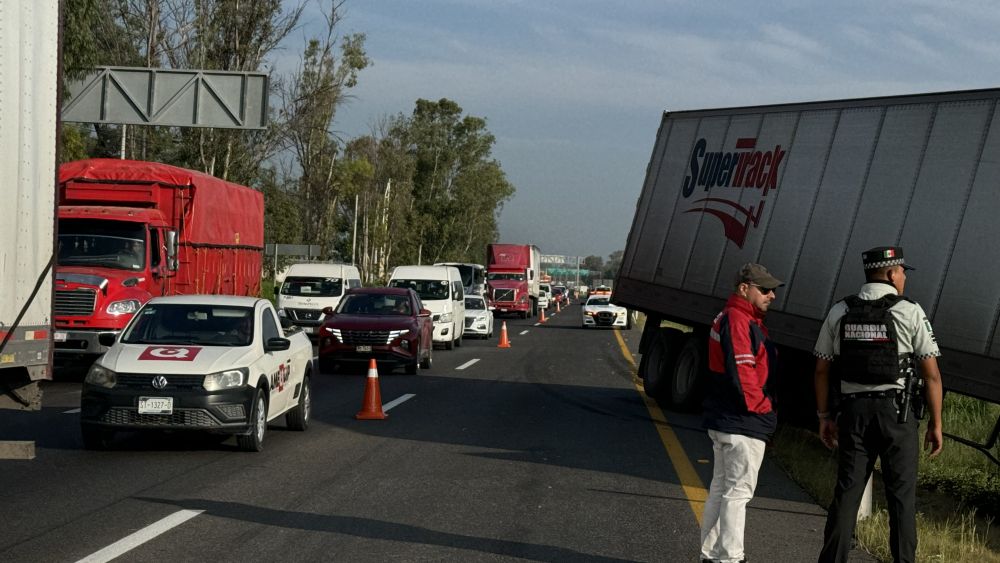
(689, 373)
(656, 366)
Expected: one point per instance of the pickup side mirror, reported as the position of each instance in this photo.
(286, 322)
(107, 339)
(277, 344)
(424, 313)
(328, 311)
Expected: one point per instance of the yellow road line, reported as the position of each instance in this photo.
(694, 489)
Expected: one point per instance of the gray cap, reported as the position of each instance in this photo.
(757, 275)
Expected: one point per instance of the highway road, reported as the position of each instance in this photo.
(546, 451)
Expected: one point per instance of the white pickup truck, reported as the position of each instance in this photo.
(213, 363)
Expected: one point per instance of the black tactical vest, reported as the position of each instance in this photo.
(869, 354)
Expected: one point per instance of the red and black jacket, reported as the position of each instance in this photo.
(740, 363)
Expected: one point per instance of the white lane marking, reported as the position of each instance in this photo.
(142, 536)
(522, 333)
(468, 363)
(538, 324)
(398, 401)
(71, 411)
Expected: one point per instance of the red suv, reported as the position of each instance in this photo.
(385, 323)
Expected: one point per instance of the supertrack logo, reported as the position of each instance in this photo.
(744, 168)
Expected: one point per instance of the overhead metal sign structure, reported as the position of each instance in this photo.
(178, 98)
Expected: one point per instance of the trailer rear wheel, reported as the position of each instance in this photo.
(689, 373)
(657, 364)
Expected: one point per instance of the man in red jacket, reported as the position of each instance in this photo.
(739, 413)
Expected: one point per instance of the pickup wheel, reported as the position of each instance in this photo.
(254, 441)
(450, 345)
(458, 340)
(428, 360)
(298, 418)
(95, 438)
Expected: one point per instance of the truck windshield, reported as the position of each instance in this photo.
(312, 287)
(184, 324)
(104, 244)
(428, 290)
(516, 276)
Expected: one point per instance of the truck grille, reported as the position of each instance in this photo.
(503, 294)
(304, 314)
(606, 318)
(74, 302)
(375, 337)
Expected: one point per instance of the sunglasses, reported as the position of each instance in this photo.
(763, 290)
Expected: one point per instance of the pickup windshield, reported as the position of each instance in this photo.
(184, 324)
(428, 290)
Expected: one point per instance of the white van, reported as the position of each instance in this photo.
(311, 287)
(440, 289)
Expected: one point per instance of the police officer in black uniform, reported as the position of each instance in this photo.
(869, 395)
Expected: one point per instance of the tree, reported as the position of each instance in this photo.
(613, 264)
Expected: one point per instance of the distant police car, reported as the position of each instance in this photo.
(598, 311)
(200, 362)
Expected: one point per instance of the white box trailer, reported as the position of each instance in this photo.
(804, 189)
(28, 116)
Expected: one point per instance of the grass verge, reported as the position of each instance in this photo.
(950, 527)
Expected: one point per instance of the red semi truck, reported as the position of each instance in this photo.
(131, 230)
(512, 278)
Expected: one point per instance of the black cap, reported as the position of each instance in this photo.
(884, 256)
(757, 275)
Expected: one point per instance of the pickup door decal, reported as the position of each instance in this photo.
(170, 353)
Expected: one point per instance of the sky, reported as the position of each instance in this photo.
(574, 90)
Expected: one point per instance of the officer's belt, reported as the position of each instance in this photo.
(871, 394)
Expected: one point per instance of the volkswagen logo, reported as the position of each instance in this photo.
(159, 382)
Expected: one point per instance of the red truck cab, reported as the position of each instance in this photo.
(131, 230)
(512, 278)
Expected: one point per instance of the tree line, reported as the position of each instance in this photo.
(417, 188)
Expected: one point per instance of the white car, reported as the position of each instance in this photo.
(544, 295)
(213, 363)
(478, 317)
(599, 311)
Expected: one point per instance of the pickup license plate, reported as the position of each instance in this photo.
(156, 405)
(307, 329)
(59, 336)
(503, 310)
(363, 349)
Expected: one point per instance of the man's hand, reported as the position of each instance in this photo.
(828, 432)
(933, 440)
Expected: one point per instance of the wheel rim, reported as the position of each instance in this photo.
(306, 401)
(261, 420)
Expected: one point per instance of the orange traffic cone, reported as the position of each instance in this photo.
(557, 306)
(504, 342)
(541, 316)
(372, 407)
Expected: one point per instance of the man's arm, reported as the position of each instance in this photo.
(933, 440)
(827, 425)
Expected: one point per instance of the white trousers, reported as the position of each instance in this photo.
(734, 478)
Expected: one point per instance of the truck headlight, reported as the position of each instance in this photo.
(446, 317)
(224, 379)
(126, 307)
(101, 376)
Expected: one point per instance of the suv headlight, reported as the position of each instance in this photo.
(101, 376)
(126, 307)
(224, 379)
(446, 317)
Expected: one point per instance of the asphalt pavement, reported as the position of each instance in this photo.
(545, 451)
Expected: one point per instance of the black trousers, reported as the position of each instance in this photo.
(868, 428)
